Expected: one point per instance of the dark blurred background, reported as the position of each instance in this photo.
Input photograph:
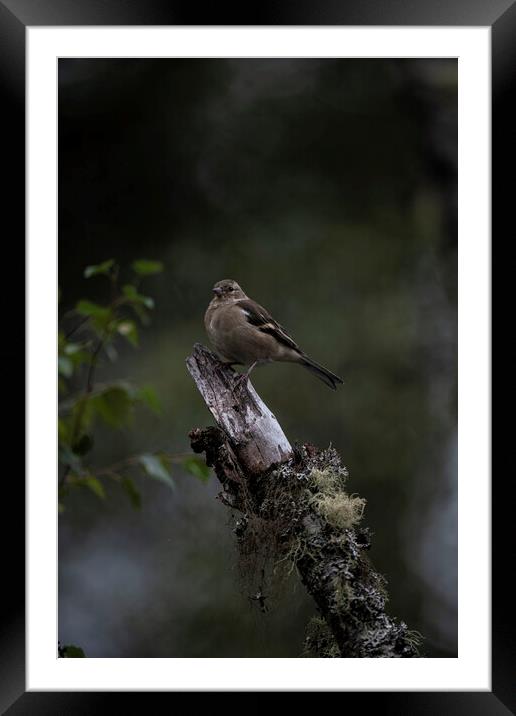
(327, 189)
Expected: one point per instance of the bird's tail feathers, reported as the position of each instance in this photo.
(321, 372)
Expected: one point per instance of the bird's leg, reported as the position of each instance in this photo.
(245, 376)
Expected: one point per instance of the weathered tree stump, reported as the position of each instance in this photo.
(294, 500)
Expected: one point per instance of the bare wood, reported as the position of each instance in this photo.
(255, 435)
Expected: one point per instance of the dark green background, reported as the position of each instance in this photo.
(327, 188)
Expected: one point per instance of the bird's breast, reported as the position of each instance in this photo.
(215, 323)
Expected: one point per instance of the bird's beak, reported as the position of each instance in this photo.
(217, 291)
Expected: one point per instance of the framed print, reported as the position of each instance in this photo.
(335, 166)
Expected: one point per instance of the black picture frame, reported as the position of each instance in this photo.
(15, 17)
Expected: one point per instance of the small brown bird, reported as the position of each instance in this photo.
(244, 333)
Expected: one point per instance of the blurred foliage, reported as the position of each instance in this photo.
(85, 403)
(69, 651)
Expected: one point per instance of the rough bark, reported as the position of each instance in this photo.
(295, 500)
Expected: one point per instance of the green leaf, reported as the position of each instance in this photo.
(72, 348)
(148, 395)
(124, 385)
(65, 366)
(93, 310)
(196, 466)
(83, 445)
(83, 412)
(80, 357)
(128, 330)
(114, 406)
(144, 267)
(155, 467)
(62, 430)
(76, 353)
(95, 485)
(69, 651)
(132, 294)
(132, 492)
(100, 315)
(130, 291)
(103, 268)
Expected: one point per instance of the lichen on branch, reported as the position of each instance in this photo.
(298, 516)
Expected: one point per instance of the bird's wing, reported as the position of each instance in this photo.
(257, 316)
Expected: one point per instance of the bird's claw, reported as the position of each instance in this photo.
(241, 380)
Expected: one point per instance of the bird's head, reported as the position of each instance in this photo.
(228, 290)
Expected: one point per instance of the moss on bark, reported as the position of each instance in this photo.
(299, 516)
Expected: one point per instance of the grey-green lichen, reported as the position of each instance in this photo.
(319, 641)
(300, 517)
(331, 502)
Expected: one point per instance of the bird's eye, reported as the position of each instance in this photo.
(230, 288)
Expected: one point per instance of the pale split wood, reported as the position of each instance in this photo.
(252, 430)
